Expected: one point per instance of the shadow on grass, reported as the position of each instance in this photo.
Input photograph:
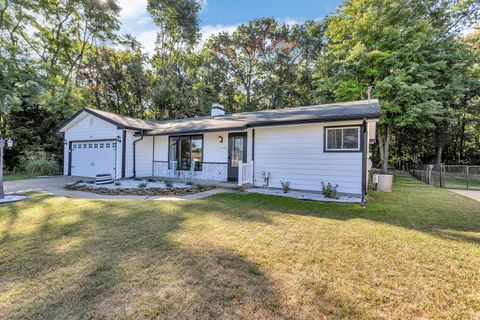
(412, 205)
(68, 258)
(123, 265)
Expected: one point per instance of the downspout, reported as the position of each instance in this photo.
(135, 153)
(364, 161)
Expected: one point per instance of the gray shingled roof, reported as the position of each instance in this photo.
(123, 121)
(239, 121)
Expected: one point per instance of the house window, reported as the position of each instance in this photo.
(342, 139)
(74, 146)
(84, 145)
(107, 145)
(89, 146)
(95, 145)
(184, 150)
(80, 146)
(101, 145)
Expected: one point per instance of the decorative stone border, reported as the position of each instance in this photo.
(139, 191)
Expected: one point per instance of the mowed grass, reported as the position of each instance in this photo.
(12, 177)
(412, 254)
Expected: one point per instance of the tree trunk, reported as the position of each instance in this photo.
(438, 157)
(462, 142)
(386, 145)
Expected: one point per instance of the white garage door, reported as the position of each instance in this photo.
(93, 157)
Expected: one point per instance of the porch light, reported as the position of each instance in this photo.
(220, 139)
(9, 143)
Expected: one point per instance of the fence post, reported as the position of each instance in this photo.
(467, 178)
(441, 176)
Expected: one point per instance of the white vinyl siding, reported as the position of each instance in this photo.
(144, 158)
(214, 151)
(296, 154)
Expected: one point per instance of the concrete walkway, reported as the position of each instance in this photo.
(472, 194)
(55, 186)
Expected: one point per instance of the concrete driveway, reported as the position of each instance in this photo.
(55, 186)
(472, 194)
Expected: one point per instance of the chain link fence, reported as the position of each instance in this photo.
(447, 176)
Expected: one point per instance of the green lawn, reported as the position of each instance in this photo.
(412, 254)
(12, 177)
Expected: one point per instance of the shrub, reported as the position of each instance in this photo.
(137, 179)
(285, 186)
(168, 184)
(329, 191)
(189, 183)
(142, 185)
(41, 167)
(151, 180)
(117, 183)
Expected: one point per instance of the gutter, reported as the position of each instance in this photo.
(135, 153)
(364, 161)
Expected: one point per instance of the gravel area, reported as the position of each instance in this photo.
(133, 184)
(305, 195)
(12, 198)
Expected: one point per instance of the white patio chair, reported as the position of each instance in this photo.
(192, 168)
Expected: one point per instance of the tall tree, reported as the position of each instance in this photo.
(400, 49)
(265, 63)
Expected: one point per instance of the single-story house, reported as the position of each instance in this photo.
(305, 146)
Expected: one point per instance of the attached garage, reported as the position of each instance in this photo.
(89, 158)
(99, 142)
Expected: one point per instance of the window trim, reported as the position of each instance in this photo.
(191, 136)
(351, 126)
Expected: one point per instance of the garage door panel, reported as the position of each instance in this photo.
(93, 157)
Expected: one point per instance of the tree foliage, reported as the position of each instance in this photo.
(57, 56)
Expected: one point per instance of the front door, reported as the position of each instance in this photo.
(237, 151)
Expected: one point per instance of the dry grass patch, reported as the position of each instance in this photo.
(414, 253)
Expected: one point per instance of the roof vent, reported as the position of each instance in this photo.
(217, 110)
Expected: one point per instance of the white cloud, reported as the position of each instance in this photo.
(209, 30)
(132, 9)
(147, 39)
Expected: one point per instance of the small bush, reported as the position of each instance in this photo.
(142, 185)
(285, 186)
(189, 183)
(137, 179)
(329, 191)
(117, 183)
(168, 184)
(41, 167)
(151, 180)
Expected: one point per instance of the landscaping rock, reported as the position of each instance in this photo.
(138, 191)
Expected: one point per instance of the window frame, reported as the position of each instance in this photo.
(352, 126)
(179, 150)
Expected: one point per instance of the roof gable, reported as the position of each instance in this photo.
(121, 122)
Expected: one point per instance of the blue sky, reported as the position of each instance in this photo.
(225, 15)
